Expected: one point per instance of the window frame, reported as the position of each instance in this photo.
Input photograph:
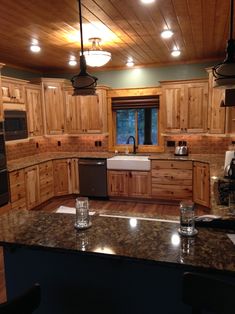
(133, 92)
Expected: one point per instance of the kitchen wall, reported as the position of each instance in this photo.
(65, 143)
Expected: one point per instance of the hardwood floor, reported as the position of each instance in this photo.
(104, 206)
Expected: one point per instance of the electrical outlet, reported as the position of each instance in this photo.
(59, 143)
(37, 145)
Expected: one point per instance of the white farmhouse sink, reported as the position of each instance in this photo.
(128, 162)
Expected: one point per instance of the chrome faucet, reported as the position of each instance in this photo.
(134, 147)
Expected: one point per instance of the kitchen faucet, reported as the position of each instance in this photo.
(134, 147)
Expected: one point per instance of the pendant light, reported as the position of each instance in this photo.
(224, 72)
(83, 83)
(96, 57)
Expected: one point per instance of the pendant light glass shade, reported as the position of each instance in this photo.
(224, 72)
(96, 57)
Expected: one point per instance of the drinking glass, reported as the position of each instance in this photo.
(82, 213)
(187, 218)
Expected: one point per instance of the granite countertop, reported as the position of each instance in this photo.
(143, 240)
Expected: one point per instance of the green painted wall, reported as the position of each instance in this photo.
(139, 77)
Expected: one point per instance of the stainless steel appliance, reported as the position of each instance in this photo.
(4, 188)
(93, 177)
(181, 149)
(229, 155)
(15, 124)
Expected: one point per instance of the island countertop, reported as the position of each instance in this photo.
(143, 240)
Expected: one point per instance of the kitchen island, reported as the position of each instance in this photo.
(119, 265)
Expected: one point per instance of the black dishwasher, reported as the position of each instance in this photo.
(93, 177)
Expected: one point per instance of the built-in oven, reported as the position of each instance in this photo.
(15, 124)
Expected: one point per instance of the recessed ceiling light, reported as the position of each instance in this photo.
(147, 1)
(35, 46)
(175, 52)
(166, 33)
(72, 61)
(130, 62)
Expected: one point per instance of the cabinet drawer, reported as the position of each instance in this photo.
(170, 192)
(172, 176)
(45, 169)
(16, 177)
(171, 164)
(20, 204)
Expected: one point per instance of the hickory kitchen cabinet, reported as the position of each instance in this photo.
(65, 173)
(86, 114)
(171, 179)
(201, 183)
(34, 109)
(185, 106)
(53, 105)
(216, 113)
(46, 181)
(124, 183)
(17, 189)
(13, 90)
(32, 186)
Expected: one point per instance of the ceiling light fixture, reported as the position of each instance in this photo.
(224, 72)
(130, 62)
(175, 52)
(147, 1)
(96, 57)
(83, 83)
(167, 33)
(35, 46)
(72, 61)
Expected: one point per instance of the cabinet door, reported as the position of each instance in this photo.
(73, 113)
(73, 176)
(17, 188)
(54, 108)
(13, 91)
(34, 110)
(173, 96)
(46, 181)
(201, 184)
(118, 183)
(91, 114)
(32, 186)
(61, 181)
(194, 118)
(139, 184)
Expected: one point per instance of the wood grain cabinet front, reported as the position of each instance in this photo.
(171, 180)
(124, 183)
(32, 186)
(201, 183)
(17, 189)
(13, 90)
(46, 180)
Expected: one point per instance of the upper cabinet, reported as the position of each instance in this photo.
(86, 114)
(216, 114)
(185, 105)
(13, 90)
(53, 105)
(34, 109)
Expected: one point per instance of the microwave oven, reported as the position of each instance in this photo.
(15, 125)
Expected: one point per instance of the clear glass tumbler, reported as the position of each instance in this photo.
(187, 218)
(82, 213)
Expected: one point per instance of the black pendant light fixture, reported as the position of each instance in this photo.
(83, 83)
(224, 72)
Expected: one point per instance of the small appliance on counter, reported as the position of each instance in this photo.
(181, 149)
(229, 164)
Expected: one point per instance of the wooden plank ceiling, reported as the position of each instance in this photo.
(128, 28)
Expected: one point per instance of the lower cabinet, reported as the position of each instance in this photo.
(201, 183)
(17, 189)
(32, 186)
(46, 180)
(171, 180)
(73, 176)
(129, 183)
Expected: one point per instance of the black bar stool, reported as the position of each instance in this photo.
(25, 303)
(207, 293)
